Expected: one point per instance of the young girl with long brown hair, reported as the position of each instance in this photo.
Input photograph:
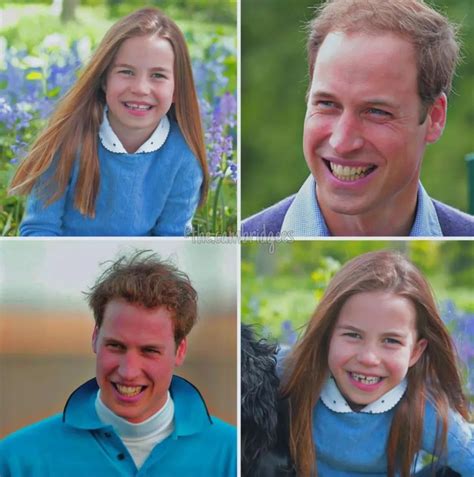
(374, 380)
(123, 154)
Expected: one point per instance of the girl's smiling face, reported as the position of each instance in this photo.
(373, 345)
(139, 88)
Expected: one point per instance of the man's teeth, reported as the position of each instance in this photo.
(140, 107)
(346, 173)
(128, 390)
(366, 379)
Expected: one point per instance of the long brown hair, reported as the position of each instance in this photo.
(434, 376)
(73, 128)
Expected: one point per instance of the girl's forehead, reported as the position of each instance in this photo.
(377, 310)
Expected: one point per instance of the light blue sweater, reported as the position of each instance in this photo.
(150, 193)
(78, 444)
(351, 444)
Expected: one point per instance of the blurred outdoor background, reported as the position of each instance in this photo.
(44, 45)
(283, 282)
(273, 87)
(46, 326)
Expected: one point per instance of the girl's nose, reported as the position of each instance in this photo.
(368, 357)
(140, 85)
(346, 136)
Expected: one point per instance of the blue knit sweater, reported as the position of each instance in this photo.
(150, 193)
(351, 444)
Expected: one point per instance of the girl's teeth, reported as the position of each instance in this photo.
(346, 173)
(366, 379)
(128, 390)
(137, 106)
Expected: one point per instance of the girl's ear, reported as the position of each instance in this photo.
(417, 351)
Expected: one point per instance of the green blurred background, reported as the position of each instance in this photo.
(274, 81)
(285, 281)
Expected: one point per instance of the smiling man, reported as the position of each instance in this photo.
(380, 75)
(136, 418)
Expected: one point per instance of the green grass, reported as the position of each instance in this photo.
(35, 22)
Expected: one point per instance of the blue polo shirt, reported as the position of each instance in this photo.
(77, 444)
(305, 219)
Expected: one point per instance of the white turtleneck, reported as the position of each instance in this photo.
(141, 438)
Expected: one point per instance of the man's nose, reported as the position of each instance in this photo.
(129, 367)
(346, 136)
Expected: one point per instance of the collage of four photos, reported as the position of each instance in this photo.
(237, 238)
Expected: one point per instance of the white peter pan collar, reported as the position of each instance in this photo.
(334, 400)
(112, 143)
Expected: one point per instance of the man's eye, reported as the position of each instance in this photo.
(114, 346)
(325, 104)
(151, 351)
(379, 112)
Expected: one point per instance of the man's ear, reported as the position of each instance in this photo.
(95, 333)
(436, 119)
(181, 352)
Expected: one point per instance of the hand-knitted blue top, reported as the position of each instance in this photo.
(350, 443)
(153, 192)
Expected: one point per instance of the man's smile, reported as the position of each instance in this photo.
(348, 173)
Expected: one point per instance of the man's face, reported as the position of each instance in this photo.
(136, 357)
(362, 139)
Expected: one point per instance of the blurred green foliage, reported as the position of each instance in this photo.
(285, 281)
(274, 81)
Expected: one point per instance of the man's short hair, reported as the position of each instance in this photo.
(144, 279)
(431, 34)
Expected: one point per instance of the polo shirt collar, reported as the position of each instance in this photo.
(335, 401)
(112, 143)
(79, 410)
(305, 219)
(190, 411)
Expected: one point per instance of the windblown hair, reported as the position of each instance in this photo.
(144, 280)
(431, 34)
(72, 130)
(435, 376)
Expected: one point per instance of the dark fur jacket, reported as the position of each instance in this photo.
(264, 416)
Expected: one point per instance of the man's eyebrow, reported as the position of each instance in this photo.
(321, 94)
(108, 339)
(381, 102)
